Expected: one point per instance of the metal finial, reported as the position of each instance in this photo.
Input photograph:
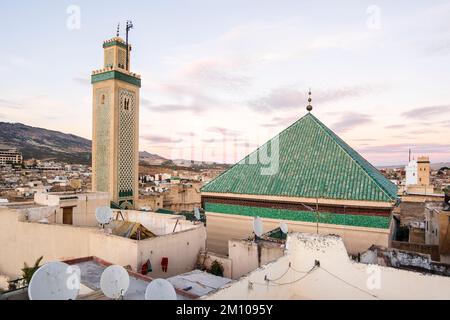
(309, 107)
(118, 29)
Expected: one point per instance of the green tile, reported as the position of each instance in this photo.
(306, 216)
(313, 162)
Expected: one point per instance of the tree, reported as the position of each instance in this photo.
(27, 271)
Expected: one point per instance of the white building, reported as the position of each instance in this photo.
(411, 173)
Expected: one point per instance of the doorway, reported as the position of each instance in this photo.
(68, 216)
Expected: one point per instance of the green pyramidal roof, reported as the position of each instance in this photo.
(313, 162)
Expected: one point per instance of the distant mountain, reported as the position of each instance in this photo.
(150, 158)
(45, 144)
(433, 166)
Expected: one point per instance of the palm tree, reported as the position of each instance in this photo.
(27, 271)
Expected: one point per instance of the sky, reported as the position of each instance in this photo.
(219, 78)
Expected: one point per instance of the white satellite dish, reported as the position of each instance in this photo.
(197, 214)
(114, 282)
(160, 289)
(258, 228)
(284, 227)
(55, 281)
(104, 215)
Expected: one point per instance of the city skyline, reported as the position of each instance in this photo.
(375, 72)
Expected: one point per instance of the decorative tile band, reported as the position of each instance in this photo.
(114, 43)
(115, 75)
(306, 216)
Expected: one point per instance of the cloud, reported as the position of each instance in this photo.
(160, 139)
(216, 73)
(169, 108)
(82, 80)
(277, 122)
(396, 126)
(224, 131)
(403, 148)
(184, 98)
(350, 120)
(10, 104)
(145, 102)
(427, 112)
(288, 98)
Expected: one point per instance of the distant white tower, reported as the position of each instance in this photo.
(411, 173)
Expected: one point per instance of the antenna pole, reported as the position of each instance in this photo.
(128, 28)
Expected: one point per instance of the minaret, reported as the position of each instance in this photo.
(115, 136)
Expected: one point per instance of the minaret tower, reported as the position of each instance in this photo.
(115, 136)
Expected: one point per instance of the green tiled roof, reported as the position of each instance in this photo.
(313, 162)
(305, 216)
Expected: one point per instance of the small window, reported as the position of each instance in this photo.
(126, 104)
(103, 99)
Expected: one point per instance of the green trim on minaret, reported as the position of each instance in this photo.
(115, 75)
(114, 43)
(313, 163)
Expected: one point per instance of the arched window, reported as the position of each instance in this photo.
(103, 99)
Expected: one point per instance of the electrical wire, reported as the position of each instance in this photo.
(268, 283)
(289, 268)
(275, 284)
(349, 284)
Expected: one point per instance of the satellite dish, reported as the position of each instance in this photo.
(284, 227)
(197, 214)
(114, 282)
(54, 281)
(160, 289)
(258, 228)
(104, 215)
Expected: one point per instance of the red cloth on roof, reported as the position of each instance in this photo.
(164, 264)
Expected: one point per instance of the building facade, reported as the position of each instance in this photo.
(10, 155)
(418, 176)
(115, 137)
(317, 184)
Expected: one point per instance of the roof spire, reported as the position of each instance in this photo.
(309, 107)
(118, 29)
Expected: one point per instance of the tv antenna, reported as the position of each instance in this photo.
(160, 289)
(284, 227)
(54, 281)
(258, 227)
(103, 215)
(129, 26)
(115, 282)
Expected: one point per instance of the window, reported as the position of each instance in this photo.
(103, 99)
(126, 104)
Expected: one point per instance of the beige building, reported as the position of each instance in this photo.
(318, 267)
(418, 176)
(313, 181)
(10, 155)
(115, 136)
(31, 230)
(176, 197)
(437, 228)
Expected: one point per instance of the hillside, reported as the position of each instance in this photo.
(45, 144)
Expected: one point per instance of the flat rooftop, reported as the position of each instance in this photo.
(198, 282)
(91, 271)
